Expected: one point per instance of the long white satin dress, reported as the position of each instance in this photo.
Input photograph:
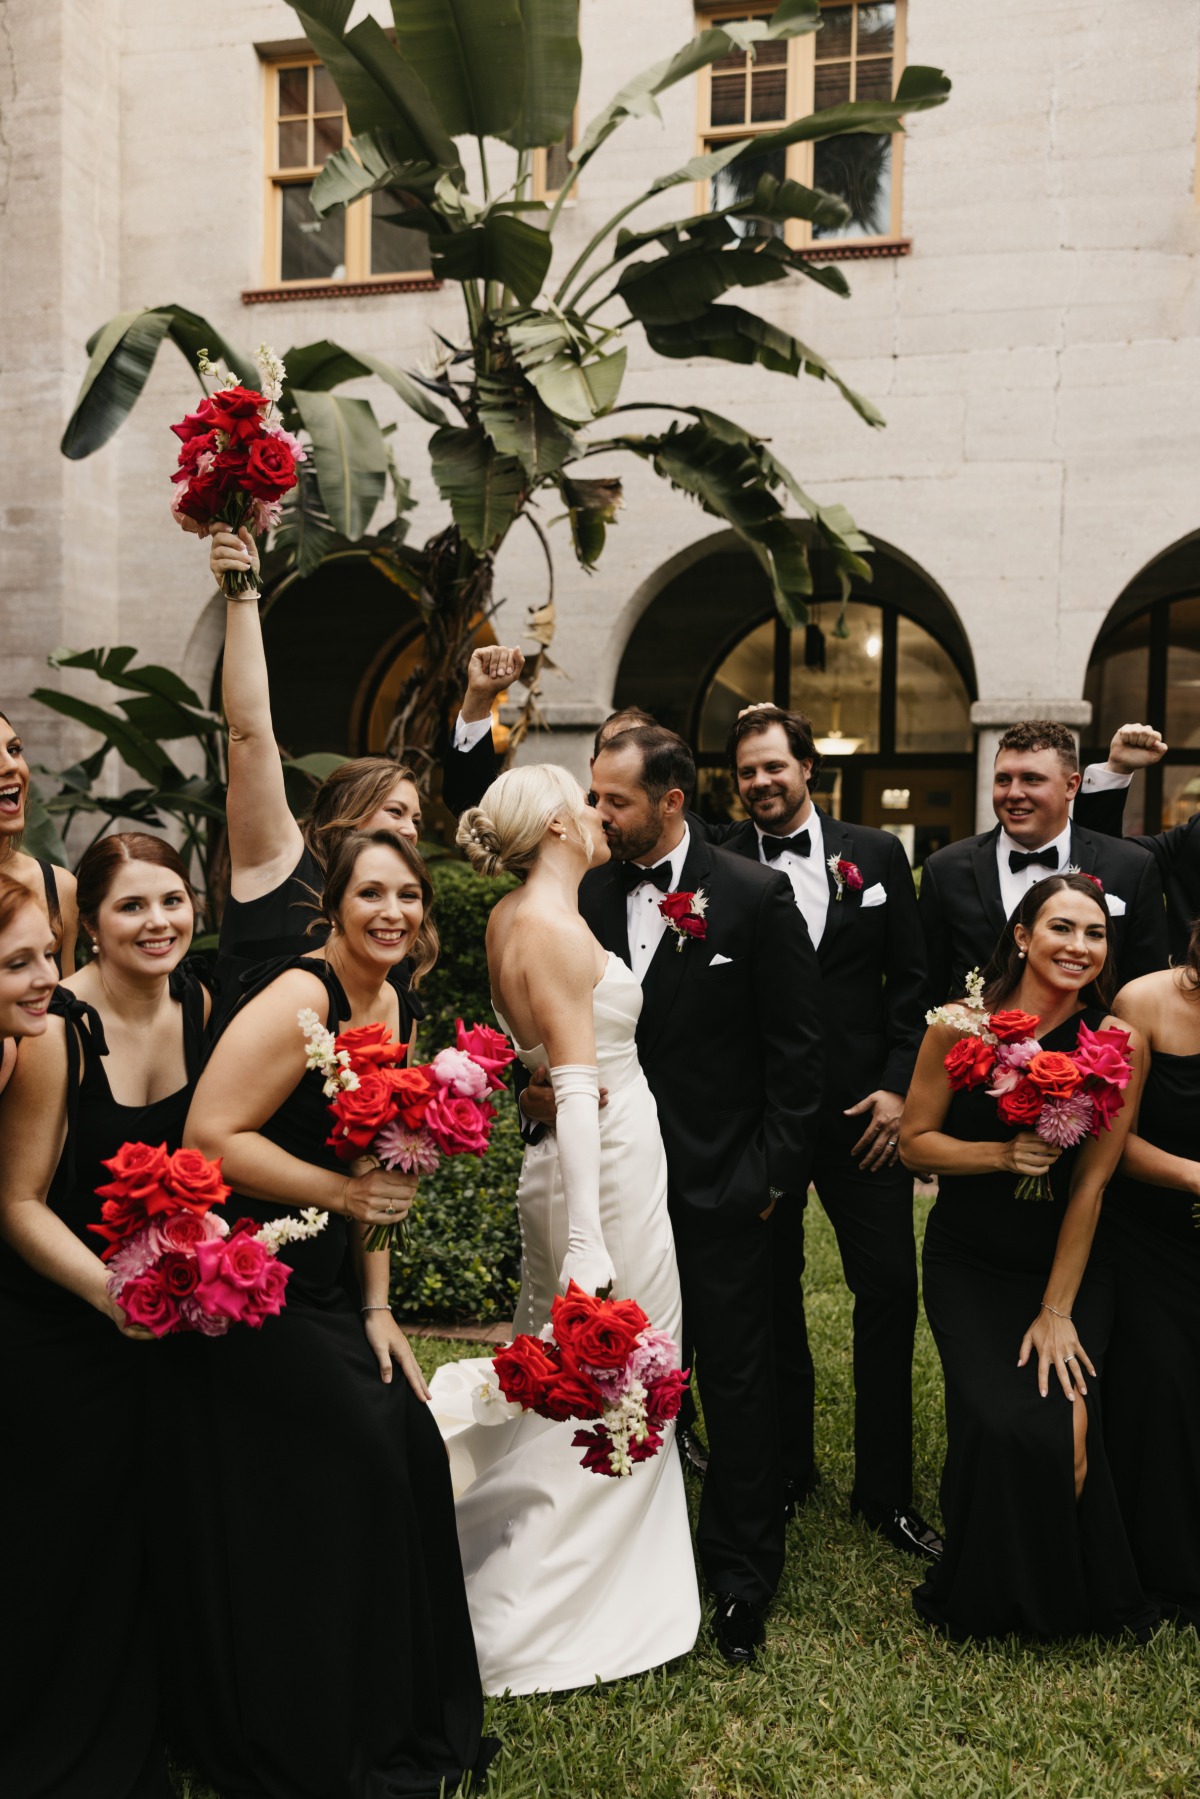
(574, 1577)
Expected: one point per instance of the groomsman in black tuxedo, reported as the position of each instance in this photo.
(730, 1041)
(970, 888)
(1100, 806)
(862, 917)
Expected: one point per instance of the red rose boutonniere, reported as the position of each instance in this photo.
(845, 874)
(684, 913)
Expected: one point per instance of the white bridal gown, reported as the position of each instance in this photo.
(574, 1577)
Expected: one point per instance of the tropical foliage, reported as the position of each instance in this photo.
(528, 392)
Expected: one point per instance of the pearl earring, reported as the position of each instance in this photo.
(1020, 955)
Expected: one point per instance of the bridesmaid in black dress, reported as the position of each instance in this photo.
(276, 866)
(53, 887)
(1021, 1317)
(116, 1064)
(1150, 1237)
(329, 1652)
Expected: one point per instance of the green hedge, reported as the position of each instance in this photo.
(462, 1257)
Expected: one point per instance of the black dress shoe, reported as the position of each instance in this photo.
(695, 1455)
(738, 1630)
(906, 1530)
(797, 1491)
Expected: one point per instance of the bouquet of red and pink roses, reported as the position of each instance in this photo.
(408, 1118)
(173, 1263)
(603, 1362)
(1063, 1097)
(237, 460)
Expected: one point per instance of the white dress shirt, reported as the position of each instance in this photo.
(808, 875)
(1098, 777)
(643, 919)
(466, 736)
(1014, 887)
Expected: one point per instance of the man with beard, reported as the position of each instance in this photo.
(729, 1039)
(854, 888)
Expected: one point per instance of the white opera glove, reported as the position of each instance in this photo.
(577, 1128)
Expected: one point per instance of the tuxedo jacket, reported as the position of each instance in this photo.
(872, 961)
(729, 1035)
(467, 774)
(963, 918)
(1176, 853)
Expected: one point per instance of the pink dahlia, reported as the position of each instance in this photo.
(1065, 1122)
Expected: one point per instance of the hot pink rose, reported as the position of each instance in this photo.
(1103, 1056)
(455, 1069)
(1106, 1103)
(231, 1272)
(269, 1298)
(459, 1127)
(665, 1395)
(491, 1049)
(147, 1301)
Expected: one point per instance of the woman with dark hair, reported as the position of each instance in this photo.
(1150, 1238)
(51, 886)
(277, 866)
(28, 971)
(1021, 1317)
(351, 1673)
(116, 1064)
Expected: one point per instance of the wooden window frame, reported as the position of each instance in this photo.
(799, 158)
(358, 278)
(538, 187)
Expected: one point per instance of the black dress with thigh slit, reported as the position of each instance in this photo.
(329, 1652)
(1152, 1390)
(1021, 1555)
(81, 1708)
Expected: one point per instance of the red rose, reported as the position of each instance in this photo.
(194, 1183)
(664, 1396)
(196, 424)
(146, 1301)
(523, 1368)
(193, 448)
(121, 1218)
(597, 1446)
(138, 1171)
(270, 469)
(969, 1063)
(570, 1394)
(180, 1275)
(851, 875)
(570, 1312)
(205, 496)
(491, 1049)
(1023, 1105)
(360, 1115)
(238, 411)
(1053, 1073)
(648, 1447)
(605, 1339)
(413, 1088)
(370, 1045)
(1013, 1027)
(458, 1126)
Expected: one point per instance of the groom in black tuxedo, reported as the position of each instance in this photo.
(730, 1041)
(970, 889)
(864, 924)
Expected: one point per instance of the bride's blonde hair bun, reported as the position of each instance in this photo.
(478, 836)
(504, 833)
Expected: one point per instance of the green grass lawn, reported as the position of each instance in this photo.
(851, 1697)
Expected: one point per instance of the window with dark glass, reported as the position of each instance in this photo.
(1148, 667)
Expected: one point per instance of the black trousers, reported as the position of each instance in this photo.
(725, 1276)
(871, 1214)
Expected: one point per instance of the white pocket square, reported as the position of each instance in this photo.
(718, 959)
(1116, 905)
(874, 896)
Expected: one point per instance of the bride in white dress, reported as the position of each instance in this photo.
(571, 1576)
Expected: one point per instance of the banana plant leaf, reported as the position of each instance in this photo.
(116, 667)
(499, 248)
(141, 752)
(591, 507)
(304, 536)
(41, 836)
(918, 89)
(470, 58)
(381, 90)
(552, 65)
(519, 424)
(682, 284)
(772, 201)
(121, 356)
(374, 162)
(318, 367)
(734, 335)
(350, 453)
(483, 489)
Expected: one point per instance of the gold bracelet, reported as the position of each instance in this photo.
(1051, 1310)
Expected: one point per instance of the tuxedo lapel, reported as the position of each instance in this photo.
(669, 961)
(743, 842)
(1082, 853)
(987, 880)
(836, 841)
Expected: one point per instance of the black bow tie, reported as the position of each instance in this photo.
(633, 874)
(800, 845)
(1019, 859)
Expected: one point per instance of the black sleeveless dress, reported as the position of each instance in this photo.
(1021, 1555)
(80, 1681)
(1152, 1387)
(329, 1652)
(267, 928)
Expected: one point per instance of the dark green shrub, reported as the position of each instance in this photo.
(462, 1257)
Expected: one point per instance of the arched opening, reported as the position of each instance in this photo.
(1145, 664)
(890, 702)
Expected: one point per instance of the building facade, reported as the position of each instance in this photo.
(1025, 311)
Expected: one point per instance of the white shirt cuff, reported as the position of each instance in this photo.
(466, 736)
(1098, 777)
